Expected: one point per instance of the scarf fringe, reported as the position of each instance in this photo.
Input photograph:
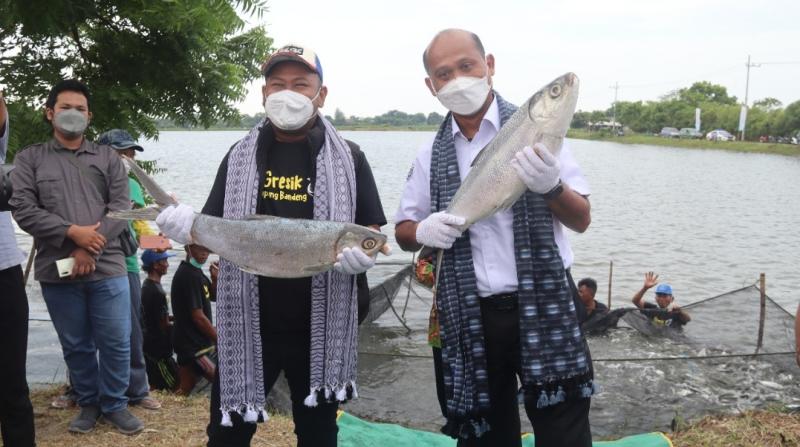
(250, 414)
(545, 395)
(331, 393)
(466, 429)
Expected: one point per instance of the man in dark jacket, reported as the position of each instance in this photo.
(63, 190)
(283, 156)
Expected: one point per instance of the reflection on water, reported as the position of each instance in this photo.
(706, 221)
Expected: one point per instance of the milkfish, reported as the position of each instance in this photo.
(492, 183)
(265, 245)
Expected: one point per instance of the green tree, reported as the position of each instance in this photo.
(434, 119)
(704, 91)
(339, 118)
(767, 104)
(188, 61)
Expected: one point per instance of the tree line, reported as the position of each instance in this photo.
(719, 110)
(392, 118)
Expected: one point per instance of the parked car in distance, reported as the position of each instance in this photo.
(720, 135)
(690, 132)
(669, 132)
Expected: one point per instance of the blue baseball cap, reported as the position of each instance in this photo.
(150, 257)
(118, 139)
(665, 289)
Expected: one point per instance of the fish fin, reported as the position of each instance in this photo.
(258, 217)
(484, 153)
(149, 213)
(317, 269)
(249, 270)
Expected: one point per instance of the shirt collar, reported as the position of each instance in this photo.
(86, 146)
(492, 116)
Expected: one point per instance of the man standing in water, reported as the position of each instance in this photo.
(665, 312)
(294, 164)
(488, 278)
(59, 198)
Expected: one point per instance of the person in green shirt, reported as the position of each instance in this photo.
(139, 390)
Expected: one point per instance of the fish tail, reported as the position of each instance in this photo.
(149, 213)
(159, 195)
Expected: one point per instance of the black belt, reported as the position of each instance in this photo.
(501, 301)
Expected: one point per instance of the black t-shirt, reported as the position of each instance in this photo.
(191, 290)
(157, 343)
(287, 172)
(662, 317)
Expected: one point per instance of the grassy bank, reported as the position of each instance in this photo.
(182, 422)
(376, 127)
(737, 146)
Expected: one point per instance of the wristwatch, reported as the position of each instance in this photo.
(555, 192)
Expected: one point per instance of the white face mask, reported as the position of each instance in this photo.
(289, 110)
(72, 123)
(464, 95)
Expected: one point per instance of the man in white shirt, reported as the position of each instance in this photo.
(459, 74)
(16, 412)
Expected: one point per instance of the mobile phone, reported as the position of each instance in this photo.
(154, 242)
(64, 266)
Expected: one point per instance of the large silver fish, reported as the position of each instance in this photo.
(493, 184)
(265, 245)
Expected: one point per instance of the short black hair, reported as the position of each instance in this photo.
(475, 38)
(588, 282)
(68, 85)
(148, 268)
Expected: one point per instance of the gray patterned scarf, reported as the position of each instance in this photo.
(553, 353)
(333, 295)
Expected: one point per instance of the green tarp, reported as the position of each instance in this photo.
(355, 432)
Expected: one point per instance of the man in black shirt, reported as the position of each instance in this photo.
(665, 312)
(193, 334)
(162, 371)
(286, 158)
(587, 288)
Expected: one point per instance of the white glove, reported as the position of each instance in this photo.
(537, 168)
(353, 261)
(176, 223)
(436, 230)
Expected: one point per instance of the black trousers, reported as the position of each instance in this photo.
(314, 426)
(16, 411)
(565, 424)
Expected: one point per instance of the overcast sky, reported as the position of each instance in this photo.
(371, 50)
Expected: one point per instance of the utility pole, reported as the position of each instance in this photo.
(747, 90)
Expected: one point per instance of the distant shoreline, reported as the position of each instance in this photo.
(348, 127)
(792, 150)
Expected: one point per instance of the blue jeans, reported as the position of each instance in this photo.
(138, 388)
(89, 317)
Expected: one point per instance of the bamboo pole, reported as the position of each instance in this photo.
(610, 277)
(29, 264)
(762, 313)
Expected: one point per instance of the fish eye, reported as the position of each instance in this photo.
(555, 91)
(369, 243)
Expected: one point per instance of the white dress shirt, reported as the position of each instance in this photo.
(10, 255)
(492, 239)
